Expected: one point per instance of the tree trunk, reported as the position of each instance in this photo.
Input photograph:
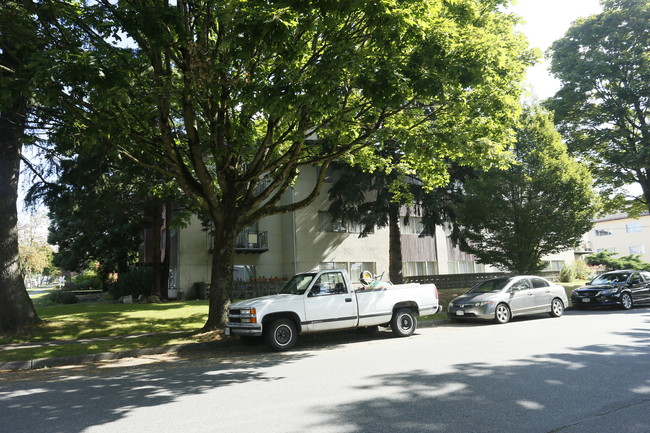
(221, 280)
(164, 272)
(156, 228)
(394, 245)
(16, 308)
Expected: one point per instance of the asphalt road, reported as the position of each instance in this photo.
(584, 372)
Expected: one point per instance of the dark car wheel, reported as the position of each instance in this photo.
(557, 308)
(281, 335)
(403, 322)
(626, 301)
(502, 314)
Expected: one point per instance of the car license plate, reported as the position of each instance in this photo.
(586, 300)
(460, 313)
(227, 331)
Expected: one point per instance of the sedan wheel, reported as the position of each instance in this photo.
(626, 301)
(502, 314)
(557, 308)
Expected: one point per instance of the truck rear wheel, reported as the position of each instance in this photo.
(403, 322)
(281, 335)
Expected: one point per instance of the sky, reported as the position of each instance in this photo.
(545, 22)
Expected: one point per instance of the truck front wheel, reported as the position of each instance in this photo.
(281, 335)
(403, 322)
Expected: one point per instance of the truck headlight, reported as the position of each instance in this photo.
(248, 315)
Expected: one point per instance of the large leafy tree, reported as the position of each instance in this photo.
(542, 204)
(603, 105)
(232, 98)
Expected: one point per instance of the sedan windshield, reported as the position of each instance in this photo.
(298, 284)
(491, 286)
(619, 277)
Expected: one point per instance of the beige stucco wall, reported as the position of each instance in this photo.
(620, 240)
(314, 247)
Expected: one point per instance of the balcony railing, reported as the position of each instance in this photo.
(252, 241)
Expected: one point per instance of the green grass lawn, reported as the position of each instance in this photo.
(178, 321)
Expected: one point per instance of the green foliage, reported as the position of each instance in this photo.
(607, 260)
(88, 279)
(583, 272)
(59, 297)
(136, 282)
(602, 107)
(540, 205)
(567, 273)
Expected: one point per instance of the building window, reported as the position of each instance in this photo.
(357, 228)
(608, 250)
(323, 266)
(329, 224)
(414, 269)
(414, 226)
(465, 267)
(553, 265)
(637, 249)
(603, 232)
(633, 228)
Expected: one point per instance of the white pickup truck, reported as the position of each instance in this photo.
(325, 301)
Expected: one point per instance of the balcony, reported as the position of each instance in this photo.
(252, 242)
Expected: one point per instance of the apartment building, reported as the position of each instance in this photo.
(281, 245)
(622, 235)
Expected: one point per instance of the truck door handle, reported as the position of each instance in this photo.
(348, 299)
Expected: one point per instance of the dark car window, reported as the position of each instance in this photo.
(539, 282)
(646, 275)
(614, 277)
(491, 286)
(523, 284)
(635, 278)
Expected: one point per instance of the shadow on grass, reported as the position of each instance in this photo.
(79, 321)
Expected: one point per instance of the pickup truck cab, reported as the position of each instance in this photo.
(326, 300)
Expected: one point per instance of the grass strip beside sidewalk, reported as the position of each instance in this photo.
(87, 328)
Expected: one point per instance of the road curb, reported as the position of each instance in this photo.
(35, 364)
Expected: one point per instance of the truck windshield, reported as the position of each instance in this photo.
(298, 284)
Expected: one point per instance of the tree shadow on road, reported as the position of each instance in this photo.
(544, 393)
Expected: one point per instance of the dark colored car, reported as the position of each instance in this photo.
(617, 288)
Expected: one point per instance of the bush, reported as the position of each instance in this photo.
(567, 274)
(135, 283)
(583, 272)
(96, 283)
(60, 297)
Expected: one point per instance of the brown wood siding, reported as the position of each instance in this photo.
(417, 249)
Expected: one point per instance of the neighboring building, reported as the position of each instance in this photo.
(622, 235)
(281, 245)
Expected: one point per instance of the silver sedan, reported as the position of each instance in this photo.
(501, 299)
